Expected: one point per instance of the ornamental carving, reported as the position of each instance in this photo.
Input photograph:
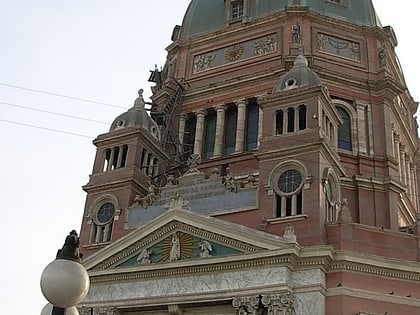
(234, 52)
(203, 62)
(273, 304)
(264, 46)
(338, 46)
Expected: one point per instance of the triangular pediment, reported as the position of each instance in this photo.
(180, 236)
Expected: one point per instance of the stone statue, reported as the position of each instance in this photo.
(144, 257)
(230, 182)
(192, 163)
(70, 249)
(175, 253)
(289, 233)
(148, 200)
(296, 34)
(205, 248)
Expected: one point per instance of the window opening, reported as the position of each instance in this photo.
(237, 9)
(210, 132)
(344, 131)
(253, 112)
(230, 130)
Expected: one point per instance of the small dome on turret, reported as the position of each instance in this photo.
(300, 75)
(136, 116)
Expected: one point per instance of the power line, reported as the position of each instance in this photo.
(60, 95)
(47, 129)
(53, 113)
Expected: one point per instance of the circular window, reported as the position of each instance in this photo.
(290, 83)
(289, 181)
(120, 123)
(105, 212)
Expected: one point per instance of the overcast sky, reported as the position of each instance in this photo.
(100, 51)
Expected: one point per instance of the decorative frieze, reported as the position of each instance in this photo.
(273, 304)
(338, 46)
(237, 52)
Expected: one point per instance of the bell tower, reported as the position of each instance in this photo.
(127, 160)
(298, 158)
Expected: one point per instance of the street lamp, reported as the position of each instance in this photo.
(65, 282)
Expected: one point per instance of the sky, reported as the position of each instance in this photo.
(67, 69)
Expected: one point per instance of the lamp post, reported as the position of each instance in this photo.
(65, 281)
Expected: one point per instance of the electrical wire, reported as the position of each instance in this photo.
(53, 113)
(59, 95)
(45, 128)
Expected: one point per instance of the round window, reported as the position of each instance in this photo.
(289, 181)
(105, 212)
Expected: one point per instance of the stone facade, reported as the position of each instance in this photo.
(277, 172)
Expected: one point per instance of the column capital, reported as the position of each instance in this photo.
(183, 116)
(200, 112)
(221, 107)
(242, 102)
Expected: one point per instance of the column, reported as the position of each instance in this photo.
(294, 205)
(111, 159)
(402, 165)
(285, 120)
(199, 131)
(283, 206)
(260, 125)
(220, 129)
(181, 130)
(240, 126)
(119, 159)
(296, 119)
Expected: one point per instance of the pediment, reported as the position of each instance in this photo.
(180, 236)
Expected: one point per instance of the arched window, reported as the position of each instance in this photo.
(344, 130)
(102, 215)
(287, 180)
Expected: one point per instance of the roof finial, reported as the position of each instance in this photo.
(139, 102)
(301, 60)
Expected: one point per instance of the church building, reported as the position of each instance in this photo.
(275, 171)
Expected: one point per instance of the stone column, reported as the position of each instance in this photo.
(120, 155)
(240, 126)
(296, 118)
(285, 120)
(260, 125)
(220, 130)
(199, 132)
(402, 165)
(181, 130)
(111, 159)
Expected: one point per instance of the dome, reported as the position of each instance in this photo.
(204, 16)
(300, 75)
(136, 116)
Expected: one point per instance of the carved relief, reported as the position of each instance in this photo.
(203, 62)
(234, 52)
(264, 46)
(338, 46)
(273, 304)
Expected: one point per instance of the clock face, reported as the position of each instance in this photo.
(105, 212)
(289, 181)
